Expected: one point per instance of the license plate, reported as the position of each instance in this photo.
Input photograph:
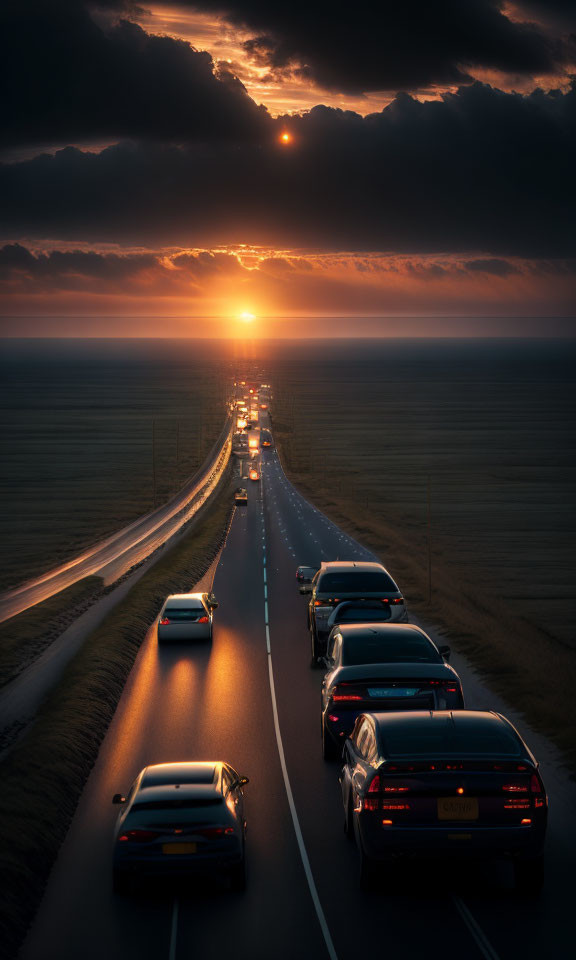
(392, 691)
(179, 847)
(457, 808)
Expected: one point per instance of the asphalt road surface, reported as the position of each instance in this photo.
(251, 698)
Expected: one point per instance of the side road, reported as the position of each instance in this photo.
(117, 554)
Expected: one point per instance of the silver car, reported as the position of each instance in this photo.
(186, 616)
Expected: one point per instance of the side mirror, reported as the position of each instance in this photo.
(241, 782)
(444, 651)
(212, 601)
(118, 798)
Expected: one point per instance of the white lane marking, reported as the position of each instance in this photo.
(173, 931)
(297, 830)
(482, 942)
(266, 611)
(295, 821)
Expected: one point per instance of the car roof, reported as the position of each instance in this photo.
(386, 671)
(338, 566)
(182, 599)
(390, 631)
(464, 721)
(195, 773)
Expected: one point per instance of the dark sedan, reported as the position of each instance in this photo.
(183, 819)
(375, 666)
(442, 784)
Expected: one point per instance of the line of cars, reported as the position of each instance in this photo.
(421, 775)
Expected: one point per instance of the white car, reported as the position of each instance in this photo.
(186, 616)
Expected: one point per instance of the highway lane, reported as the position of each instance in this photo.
(215, 702)
(112, 557)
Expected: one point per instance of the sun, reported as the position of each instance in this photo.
(285, 137)
(246, 317)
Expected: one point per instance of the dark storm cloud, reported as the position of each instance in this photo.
(480, 170)
(493, 265)
(69, 77)
(361, 47)
(22, 270)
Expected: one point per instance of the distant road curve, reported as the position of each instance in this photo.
(112, 557)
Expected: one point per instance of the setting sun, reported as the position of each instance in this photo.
(247, 317)
(285, 138)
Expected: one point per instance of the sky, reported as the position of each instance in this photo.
(241, 167)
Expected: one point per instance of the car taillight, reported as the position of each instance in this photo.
(537, 790)
(164, 621)
(372, 798)
(138, 836)
(515, 788)
(202, 620)
(398, 600)
(341, 692)
(333, 717)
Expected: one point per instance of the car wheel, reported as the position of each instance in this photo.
(329, 748)
(238, 876)
(121, 882)
(529, 875)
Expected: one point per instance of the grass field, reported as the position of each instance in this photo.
(93, 434)
(478, 439)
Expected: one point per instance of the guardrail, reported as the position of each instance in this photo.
(132, 544)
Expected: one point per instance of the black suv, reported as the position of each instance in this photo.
(340, 580)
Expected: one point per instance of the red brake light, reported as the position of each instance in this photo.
(535, 785)
(202, 620)
(139, 836)
(515, 788)
(372, 802)
(164, 621)
(340, 693)
(398, 600)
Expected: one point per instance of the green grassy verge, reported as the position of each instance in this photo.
(24, 637)
(531, 669)
(43, 775)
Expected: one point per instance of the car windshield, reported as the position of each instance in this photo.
(179, 613)
(361, 650)
(357, 582)
(362, 614)
(425, 740)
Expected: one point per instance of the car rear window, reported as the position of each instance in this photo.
(425, 741)
(179, 613)
(356, 582)
(169, 777)
(184, 804)
(363, 614)
(360, 650)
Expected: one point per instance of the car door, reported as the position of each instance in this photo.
(333, 659)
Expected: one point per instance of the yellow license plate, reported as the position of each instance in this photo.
(179, 847)
(457, 808)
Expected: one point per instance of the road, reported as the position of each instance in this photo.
(112, 557)
(260, 711)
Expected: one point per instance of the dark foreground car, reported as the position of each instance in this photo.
(443, 784)
(374, 666)
(183, 819)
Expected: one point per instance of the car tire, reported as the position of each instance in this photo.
(121, 882)
(329, 748)
(529, 876)
(238, 876)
